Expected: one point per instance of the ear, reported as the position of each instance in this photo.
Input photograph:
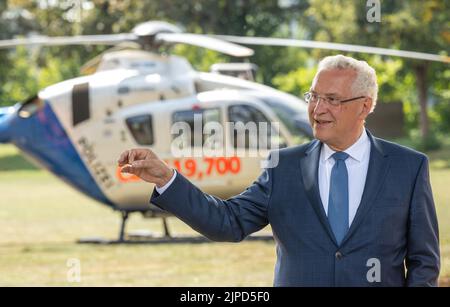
(366, 107)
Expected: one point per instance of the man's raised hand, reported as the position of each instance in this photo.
(145, 164)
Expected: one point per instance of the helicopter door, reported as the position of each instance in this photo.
(205, 171)
(253, 146)
(196, 118)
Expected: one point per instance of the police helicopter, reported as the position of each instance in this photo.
(77, 128)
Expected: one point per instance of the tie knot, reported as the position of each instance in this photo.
(340, 155)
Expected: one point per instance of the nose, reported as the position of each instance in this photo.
(320, 106)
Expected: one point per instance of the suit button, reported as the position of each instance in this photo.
(338, 255)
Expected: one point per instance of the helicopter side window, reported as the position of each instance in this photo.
(141, 127)
(247, 114)
(293, 118)
(196, 118)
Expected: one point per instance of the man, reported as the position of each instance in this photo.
(346, 209)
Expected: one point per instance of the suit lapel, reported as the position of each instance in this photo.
(309, 165)
(378, 167)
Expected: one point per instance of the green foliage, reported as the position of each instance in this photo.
(410, 25)
(432, 142)
(442, 111)
(333, 20)
(441, 92)
(32, 72)
(296, 82)
(22, 80)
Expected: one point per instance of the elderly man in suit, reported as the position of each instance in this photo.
(347, 209)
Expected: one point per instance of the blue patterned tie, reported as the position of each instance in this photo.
(338, 198)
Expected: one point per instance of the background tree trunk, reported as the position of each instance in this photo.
(421, 81)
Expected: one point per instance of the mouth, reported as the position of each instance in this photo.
(320, 123)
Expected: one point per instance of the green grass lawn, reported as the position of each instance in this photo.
(41, 218)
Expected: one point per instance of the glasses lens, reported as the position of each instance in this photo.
(333, 101)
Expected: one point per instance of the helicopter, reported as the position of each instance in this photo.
(134, 95)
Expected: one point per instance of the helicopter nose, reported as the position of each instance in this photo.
(5, 124)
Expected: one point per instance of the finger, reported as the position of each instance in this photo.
(123, 159)
(141, 164)
(150, 154)
(127, 169)
(135, 166)
(131, 156)
(143, 154)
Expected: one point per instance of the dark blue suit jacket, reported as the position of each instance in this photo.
(395, 223)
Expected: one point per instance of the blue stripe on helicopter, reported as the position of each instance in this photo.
(4, 111)
(43, 138)
(5, 125)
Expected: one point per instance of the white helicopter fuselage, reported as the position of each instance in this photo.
(132, 101)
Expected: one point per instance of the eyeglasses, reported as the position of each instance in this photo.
(313, 98)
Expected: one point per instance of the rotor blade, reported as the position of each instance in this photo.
(206, 42)
(333, 46)
(108, 39)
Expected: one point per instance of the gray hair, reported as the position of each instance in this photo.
(365, 83)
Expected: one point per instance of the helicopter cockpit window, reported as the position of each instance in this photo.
(30, 107)
(141, 127)
(247, 114)
(196, 118)
(288, 113)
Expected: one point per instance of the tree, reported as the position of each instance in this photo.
(404, 25)
(420, 26)
(409, 25)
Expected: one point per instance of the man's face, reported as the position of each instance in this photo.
(336, 125)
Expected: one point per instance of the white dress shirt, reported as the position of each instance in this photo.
(167, 185)
(357, 164)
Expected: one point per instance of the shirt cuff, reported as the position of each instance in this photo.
(167, 185)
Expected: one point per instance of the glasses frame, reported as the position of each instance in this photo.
(339, 101)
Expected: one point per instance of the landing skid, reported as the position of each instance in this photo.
(150, 238)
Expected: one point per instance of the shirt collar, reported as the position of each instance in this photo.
(356, 151)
